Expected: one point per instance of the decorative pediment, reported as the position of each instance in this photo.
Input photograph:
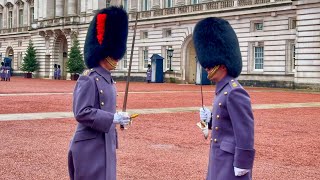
(9, 5)
(31, 2)
(19, 3)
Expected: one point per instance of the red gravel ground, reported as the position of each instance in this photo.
(63, 102)
(160, 146)
(166, 146)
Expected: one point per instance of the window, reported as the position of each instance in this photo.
(1, 21)
(292, 23)
(20, 17)
(31, 15)
(168, 3)
(166, 59)
(19, 43)
(10, 19)
(125, 61)
(258, 57)
(145, 5)
(167, 33)
(145, 58)
(194, 1)
(144, 35)
(258, 26)
(20, 60)
(293, 56)
(0, 46)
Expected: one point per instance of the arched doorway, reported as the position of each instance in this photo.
(189, 56)
(10, 54)
(61, 54)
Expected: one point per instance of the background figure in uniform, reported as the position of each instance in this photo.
(231, 119)
(59, 72)
(92, 153)
(2, 69)
(149, 72)
(55, 68)
(7, 76)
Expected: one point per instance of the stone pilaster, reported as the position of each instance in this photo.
(155, 4)
(72, 7)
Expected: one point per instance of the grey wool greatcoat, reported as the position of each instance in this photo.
(232, 132)
(92, 154)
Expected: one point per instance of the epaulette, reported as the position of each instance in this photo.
(87, 72)
(233, 83)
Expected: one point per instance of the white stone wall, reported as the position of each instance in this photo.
(308, 42)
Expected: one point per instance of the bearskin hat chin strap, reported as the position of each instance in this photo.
(213, 72)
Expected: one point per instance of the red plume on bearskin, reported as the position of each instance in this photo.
(101, 22)
(106, 36)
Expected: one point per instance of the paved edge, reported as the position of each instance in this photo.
(59, 115)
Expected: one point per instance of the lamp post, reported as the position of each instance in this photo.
(170, 54)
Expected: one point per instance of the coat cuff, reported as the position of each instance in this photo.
(103, 121)
(243, 158)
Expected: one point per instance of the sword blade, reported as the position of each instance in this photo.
(124, 108)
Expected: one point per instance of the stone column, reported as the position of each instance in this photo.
(133, 6)
(180, 2)
(72, 7)
(59, 8)
(155, 4)
(83, 6)
(49, 9)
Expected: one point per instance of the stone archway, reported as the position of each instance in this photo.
(10, 54)
(189, 59)
(60, 54)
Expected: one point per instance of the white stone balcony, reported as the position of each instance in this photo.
(14, 30)
(203, 7)
(63, 21)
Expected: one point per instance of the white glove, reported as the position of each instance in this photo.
(240, 172)
(204, 128)
(205, 114)
(122, 118)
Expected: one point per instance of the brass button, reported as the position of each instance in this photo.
(215, 140)
(232, 80)
(225, 93)
(97, 79)
(102, 103)
(91, 69)
(218, 116)
(216, 128)
(211, 139)
(220, 104)
(101, 92)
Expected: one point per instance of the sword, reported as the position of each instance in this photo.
(124, 108)
(202, 125)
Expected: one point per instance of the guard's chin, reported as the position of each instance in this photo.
(212, 72)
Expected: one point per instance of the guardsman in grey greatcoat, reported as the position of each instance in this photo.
(231, 119)
(92, 153)
(2, 73)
